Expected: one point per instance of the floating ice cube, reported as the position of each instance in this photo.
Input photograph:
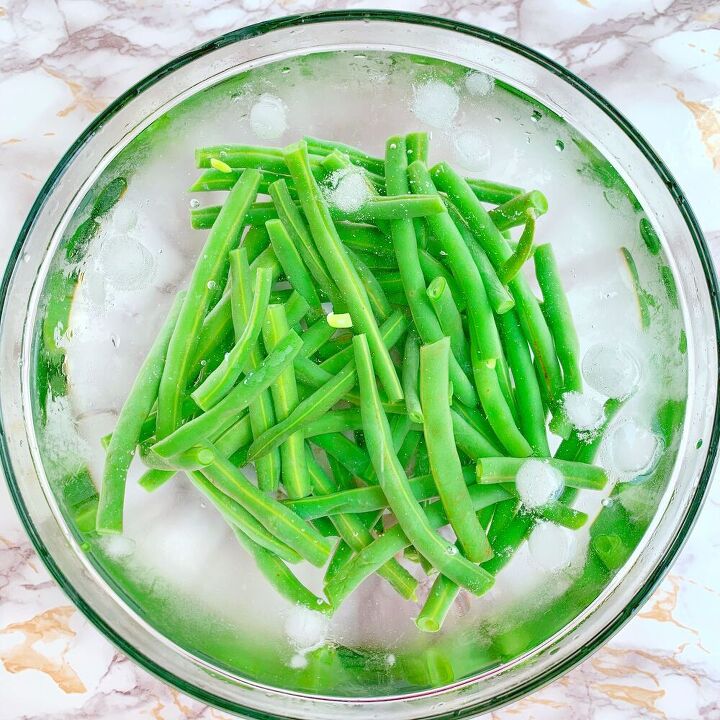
(305, 630)
(435, 103)
(472, 150)
(268, 117)
(479, 84)
(125, 263)
(538, 483)
(117, 547)
(611, 369)
(298, 661)
(349, 190)
(551, 546)
(632, 449)
(582, 411)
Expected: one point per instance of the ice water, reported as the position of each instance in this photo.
(177, 563)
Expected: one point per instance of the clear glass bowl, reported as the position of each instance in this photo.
(539, 81)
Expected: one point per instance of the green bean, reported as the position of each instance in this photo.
(649, 236)
(376, 295)
(151, 479)
(408, 448)
(203, 218)
(315, 337)
(395, 484)
(354, 533)
(261, 410)
(575, 475)
(272, 514)
(512, 266)
(559, 317)
(432, 268)
(337, 160)
(527, 390)
(561, 514)
(267, 159)
(417, 145)
(221, 380)
(212, 180)
(391, 283)
(340, 557)
(365, 239)
(394, 540)
(449, 318)
(238, 435)
(442, 452)
(644, 299)
(357, 157)
(514, 212)
(395, 207)
(474, 417)
(437, 605)
(410, 375)
(406, 252)
(472, 442)
(531, 318)
(335, 421)
(347, 453)
(285, 399)
(292, 263)
(208, 424)
(190, 460)
(207, 271)
(340, 267)
(377, 262)
(485, 344)
(238, 516)
(493, 192)
(129, 425)
(498, 295)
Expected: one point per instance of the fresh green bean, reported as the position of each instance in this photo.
(376, 295)
(406, 252)
(512, 266)
(561, 514)
(437, 604)
(357, 157)
(432, 268)
(496, 246)
(357, 536)
(527, 390)
(261, 410)
(514, 212)
(335, 421)
(410, 377)
(391, 283)
(365, 239)
(417, 146)
(129, 425)
(221, 380)
(340, 557)
(285, 399)
(151, 479)
(498, 295)
(351, 456)
(450, 320)
(213, 259)
(238, 516)
(272, 514)
(575, 475)
(337, 160)
(559, 317)
(208, 424)
(315, 337)
(442, 452)
(472, 442)
(340, 267)
(493, 192)
(394, 483)
(394, 540)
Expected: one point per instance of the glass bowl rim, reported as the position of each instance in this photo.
(262, 28)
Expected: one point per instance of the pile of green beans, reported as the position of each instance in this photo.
(389, 360)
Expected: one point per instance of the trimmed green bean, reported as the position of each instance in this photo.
(514, 212)
(410, 377)
(126, 435)
(575, 474)
(208, 424)
(394, 483)
(493, 192)
(417, 146)
(340, 267)
(450, 320)
(221, 380)
(437, 605)
(559, 317)
(376, 295)
(152, 479)
(472, 442)
(442, 452)
(365, 239)
(513, 265)
(350, 455)
(285, 399)
(272, 514)
(213, 259)
(335, 421)
(342, 554)
(357, 157)
(432, 268)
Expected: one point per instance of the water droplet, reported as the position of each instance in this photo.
(211, 284)
(26, 257)
(606, 502)
(536, 116)
(194, 203)
(559, 145)
(451, 550)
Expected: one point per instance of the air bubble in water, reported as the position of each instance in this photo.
(435, 103)
(611, 369)
(268, 117)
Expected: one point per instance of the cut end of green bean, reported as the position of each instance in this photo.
(220, 165)
(339, 320)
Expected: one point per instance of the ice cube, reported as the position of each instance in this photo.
(551, 546)
(632, 449)
(117, 547)
(583, 411)
(305, 629)
(538, 483)
(268, 117)
(611, 369)
(479, 84)
(435, 103)
(125, 263)
(472, 150)
(349, 190)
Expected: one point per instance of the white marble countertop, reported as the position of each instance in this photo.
(62, 61)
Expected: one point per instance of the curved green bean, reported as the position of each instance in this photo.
(410, 377)
(512, 266)
(450, 320)
(515, 211)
